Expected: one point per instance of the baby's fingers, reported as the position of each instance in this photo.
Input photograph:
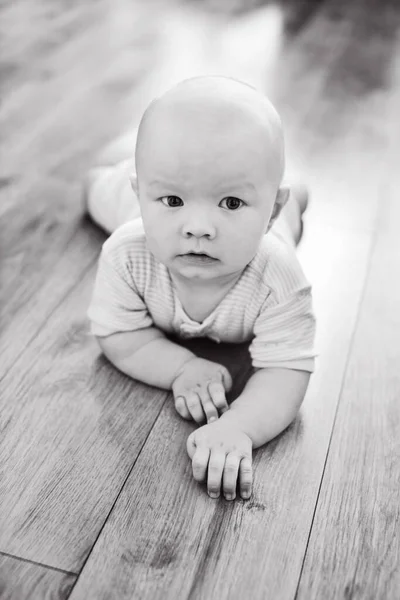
(230, 475)
(200, 463)
(181, 408)
(208, 406)
(194, 406)
(217, 393)
(226, 379)
(245, 477)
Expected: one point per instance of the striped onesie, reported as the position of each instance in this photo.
(270, 306)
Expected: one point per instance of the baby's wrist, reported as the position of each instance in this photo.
(181, 368)
(233, 419)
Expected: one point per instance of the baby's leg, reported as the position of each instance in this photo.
(109, 197)
(293, 210)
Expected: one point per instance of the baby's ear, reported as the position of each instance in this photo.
(134, 183)
(281, 198)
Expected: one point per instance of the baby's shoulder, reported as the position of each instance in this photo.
(127, 252)
(277, 266)
(126, 243)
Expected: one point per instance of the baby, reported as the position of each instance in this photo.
(201, 253)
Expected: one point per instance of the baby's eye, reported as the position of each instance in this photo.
(232, 202)
(171, 201)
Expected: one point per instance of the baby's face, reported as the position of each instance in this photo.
(206, 185)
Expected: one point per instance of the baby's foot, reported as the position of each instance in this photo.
(294, 210)
(109, 197)
(299, 193)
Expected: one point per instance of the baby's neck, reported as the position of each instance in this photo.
(200, 298)
(201, 287)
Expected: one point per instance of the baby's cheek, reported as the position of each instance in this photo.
(245, 245)
(159, 243)
(153, 241)
(245, 242)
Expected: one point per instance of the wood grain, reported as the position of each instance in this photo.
(71, 97)
(60, 107)
(21, 580)
(354, 549)
(72, 427)
(46, 249)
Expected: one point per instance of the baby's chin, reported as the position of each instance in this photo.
(212, 272)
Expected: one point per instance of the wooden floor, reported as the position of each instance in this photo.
(96, 492)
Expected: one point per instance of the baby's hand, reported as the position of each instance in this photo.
(199, 390)
(226, 451)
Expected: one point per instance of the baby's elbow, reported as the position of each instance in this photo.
(105, 345)
(113, 347)
(120, 347)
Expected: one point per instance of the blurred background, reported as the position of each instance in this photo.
(76, 74)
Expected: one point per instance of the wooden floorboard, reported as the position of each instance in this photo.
(46, 252)
(354, 549)
(70, 89)
(72, 427)
(59, 107)
(21, 580)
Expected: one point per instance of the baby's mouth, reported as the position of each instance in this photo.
(198, 257)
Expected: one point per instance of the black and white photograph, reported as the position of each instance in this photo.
(199, 300)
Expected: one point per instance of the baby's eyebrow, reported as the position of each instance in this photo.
(237, 185)
(159, 182)
(228, 187)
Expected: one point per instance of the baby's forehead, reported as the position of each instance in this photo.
(214, 102)
(207, 110)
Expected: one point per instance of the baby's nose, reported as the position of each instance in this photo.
(199, 226)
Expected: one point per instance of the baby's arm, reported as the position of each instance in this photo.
(283, 352)
(221, 452)
(268, 404)
(146, 355)
(284, 335)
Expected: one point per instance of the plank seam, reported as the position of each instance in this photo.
(47, 317)
(351, 344)
(37, 564)
(117, 497)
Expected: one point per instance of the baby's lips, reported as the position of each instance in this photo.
(199, 254)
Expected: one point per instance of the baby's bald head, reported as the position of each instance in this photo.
(209, 163)
(208, 115)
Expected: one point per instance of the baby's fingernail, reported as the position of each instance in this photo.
(213, 494)
(211, 419)
(229, 496)
(246, 495)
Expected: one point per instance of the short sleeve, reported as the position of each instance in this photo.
(285, 333)
(116, 305)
